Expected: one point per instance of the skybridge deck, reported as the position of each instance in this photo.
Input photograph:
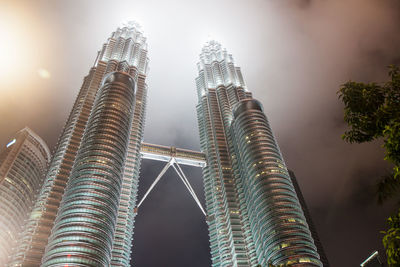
(165, 153)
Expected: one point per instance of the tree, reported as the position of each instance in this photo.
(391, 240)
(373, 111)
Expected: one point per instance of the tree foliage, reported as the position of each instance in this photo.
(391, 239)
(387, 188)
(373, 111)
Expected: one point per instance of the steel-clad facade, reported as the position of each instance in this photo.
(84, 228)
(124, 52)
(278, 225)
(86, 208)
(254, 215)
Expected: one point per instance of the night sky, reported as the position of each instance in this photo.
(294, 56)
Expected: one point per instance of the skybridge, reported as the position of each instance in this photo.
(174, 158)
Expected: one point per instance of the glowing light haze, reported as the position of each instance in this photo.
(294, 55)
(43, 73)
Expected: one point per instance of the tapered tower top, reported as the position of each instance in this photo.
(133, 30)
(216, 67)
(132, 24)
(213, 51)
(127, 47)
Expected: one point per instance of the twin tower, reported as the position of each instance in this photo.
(86, 208)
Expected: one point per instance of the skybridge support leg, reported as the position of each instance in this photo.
(185, 181)
(156, 181)
(181, 175)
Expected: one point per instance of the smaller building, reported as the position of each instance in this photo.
(23, 163)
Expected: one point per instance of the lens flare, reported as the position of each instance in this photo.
(43, 73)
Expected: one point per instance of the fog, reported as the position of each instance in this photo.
(294, 56)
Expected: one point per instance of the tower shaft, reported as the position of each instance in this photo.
(219, 86)
(279, 228)
(125, 51)
(254, 215)
(83, 233)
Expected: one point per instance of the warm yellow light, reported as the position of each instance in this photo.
(16, 48)
(10, 45)
(43, 73)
